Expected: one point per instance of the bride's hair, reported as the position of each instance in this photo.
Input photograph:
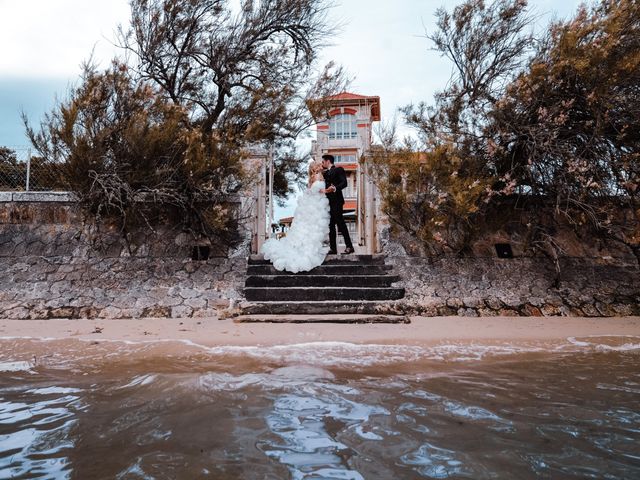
(314, 169)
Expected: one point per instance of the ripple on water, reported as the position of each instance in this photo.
(36, 435)
(434, 462)
(338, 411)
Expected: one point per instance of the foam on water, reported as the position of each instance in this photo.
(16, 367)
(333, 353)
(314, 410)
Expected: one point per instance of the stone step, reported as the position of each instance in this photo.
(321, 293)
(330, 260)
(330, 318)
(341, 270)
(326, 308)
(299, 280)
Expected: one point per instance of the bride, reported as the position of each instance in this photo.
(303, 247)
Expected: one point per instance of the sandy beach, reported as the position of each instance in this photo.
(421, 330)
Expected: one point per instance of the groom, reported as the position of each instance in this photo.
(335, 180)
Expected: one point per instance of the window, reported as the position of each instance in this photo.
(343, 126)
(341, 158)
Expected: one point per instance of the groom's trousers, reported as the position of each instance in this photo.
(337, 219)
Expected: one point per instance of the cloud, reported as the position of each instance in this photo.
(51, 38)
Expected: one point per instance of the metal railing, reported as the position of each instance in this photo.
(22, 171)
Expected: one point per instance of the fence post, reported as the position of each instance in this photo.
(28, 168)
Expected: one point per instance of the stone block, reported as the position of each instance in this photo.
(218, 303)
(605, 309)
(454, 302)
(551, 310)
(181, 311)
(170, 301)
(590, 310)
(18, 313)
(156, 312)
(445, 311)
(623, 310)
(493, 303)
(472, 302)
(39, 313)
(576, 312)
(511, 301)
(110, 312)
(6, 196)
(145, 302)
(63, 312)
(195, 302)
(88, 312)
(188, 293)
(205, 313)
(531, 311)
(131, 313)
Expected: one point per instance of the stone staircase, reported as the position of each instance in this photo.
(344, 289)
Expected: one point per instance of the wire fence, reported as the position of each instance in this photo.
(22, 171)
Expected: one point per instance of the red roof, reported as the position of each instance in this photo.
(351, 99)
(348, 96)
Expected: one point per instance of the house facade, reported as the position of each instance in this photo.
(347, 134)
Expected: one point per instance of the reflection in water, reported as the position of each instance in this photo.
(320, 411)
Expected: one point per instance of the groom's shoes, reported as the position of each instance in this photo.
(348, 250)
(332, 252)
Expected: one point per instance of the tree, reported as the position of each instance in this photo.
(163, 134)
(554, 128)
(448, 185)
(568, 128)
(131, 155)
(11, 175)
(246, 75)
(8, 156)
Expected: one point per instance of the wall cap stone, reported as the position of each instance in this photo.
(44, 197)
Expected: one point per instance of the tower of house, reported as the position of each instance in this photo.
(346, 135)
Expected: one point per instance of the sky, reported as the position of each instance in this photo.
(382, 44)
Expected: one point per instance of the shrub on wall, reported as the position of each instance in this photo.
(552, 120)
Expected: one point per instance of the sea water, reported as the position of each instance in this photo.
(118, 410)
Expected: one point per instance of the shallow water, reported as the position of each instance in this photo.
(325, 410)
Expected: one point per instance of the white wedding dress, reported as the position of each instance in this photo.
(303, 247)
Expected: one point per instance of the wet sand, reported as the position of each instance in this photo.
(421, 330)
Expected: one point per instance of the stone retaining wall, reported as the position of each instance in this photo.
(54, 265)
(67, 287)
(517, 286)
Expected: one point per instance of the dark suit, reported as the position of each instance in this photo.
(338, 178)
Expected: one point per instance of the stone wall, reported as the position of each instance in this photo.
(517, 286)
(54, 264)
